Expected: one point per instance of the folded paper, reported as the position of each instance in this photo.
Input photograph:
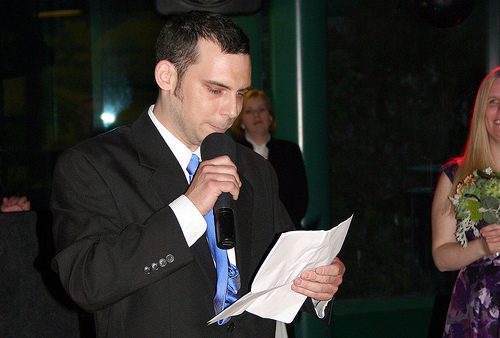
(271, 295)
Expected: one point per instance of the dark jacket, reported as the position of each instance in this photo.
(120, 250)
(286, 159)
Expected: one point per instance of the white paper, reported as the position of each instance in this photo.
(271, 295)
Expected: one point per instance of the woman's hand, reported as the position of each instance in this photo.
(491, 236)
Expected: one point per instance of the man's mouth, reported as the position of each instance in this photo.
(218, 129)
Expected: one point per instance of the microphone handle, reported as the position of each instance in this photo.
(224, 228)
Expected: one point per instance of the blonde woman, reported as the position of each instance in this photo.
(475, 300)
(253, 128)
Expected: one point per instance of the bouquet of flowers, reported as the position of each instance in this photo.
(476, 202)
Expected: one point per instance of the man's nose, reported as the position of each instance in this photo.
(232, 106)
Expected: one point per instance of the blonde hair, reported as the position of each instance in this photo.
(236, 130)
(477, 153)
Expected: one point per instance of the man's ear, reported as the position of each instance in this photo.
(166, 75)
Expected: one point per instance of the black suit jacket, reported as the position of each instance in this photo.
(120, 250)
(286, 159)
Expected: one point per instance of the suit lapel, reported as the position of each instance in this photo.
(168, 182)
(167, 178)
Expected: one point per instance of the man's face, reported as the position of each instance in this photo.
(210, 96)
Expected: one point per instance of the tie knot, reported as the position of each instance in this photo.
(192, 166)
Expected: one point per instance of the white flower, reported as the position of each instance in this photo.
(488, 170)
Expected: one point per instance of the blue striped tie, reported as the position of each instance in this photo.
(228, 277)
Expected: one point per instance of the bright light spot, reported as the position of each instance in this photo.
(108, 118)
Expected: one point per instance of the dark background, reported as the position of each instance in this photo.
(401, 80)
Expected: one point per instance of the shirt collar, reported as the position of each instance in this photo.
(179, 149)
(260, 149)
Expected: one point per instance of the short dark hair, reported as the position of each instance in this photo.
(180, 35)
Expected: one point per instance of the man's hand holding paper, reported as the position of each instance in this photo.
(301, 264)
(321, 283)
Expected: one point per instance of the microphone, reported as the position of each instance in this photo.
(215, 145)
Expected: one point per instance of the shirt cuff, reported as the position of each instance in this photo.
(192, 222)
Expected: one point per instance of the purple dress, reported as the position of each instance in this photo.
(475, 300)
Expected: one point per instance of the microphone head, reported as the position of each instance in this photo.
(218, 144)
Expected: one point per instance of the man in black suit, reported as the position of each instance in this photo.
(128, 227)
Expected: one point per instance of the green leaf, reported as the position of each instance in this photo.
(490, 202)
(473, 205)
(490, 217)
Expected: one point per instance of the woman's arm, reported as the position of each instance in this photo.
(448, 254)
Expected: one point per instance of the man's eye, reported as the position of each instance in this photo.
(214, 91)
